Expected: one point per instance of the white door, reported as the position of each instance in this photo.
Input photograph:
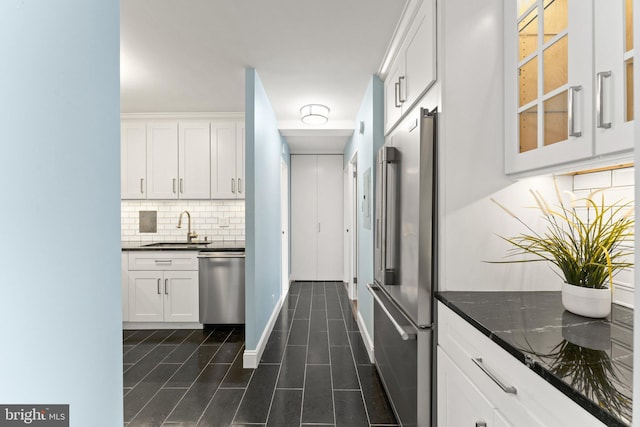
(304, 217)
(330, 218)
(133, 160)
(223, 160)
(162, 160)
(284, 220)
(195, 161)
(353, 288)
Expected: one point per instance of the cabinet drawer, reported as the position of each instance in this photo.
(163, 260)
(536, 401)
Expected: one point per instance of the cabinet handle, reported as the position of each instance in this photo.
(181, 185)
(318, 227)
(159, 287)
(600, 100)
(174, 186)
(141, 185)
(572, 115)
(481, 424)
(506, 389)
(233, 186)
(400, 80)
(163, 261)
(397, 94)
(239, 185)
(166, 288)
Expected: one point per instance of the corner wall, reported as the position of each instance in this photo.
(60, 235)
(265, 148)
(366, 145)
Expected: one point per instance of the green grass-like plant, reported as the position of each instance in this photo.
(589, 252)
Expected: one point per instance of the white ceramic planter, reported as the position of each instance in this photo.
(586, 302)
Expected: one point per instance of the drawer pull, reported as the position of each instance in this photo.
(481, 424)
(506, 389)
(404, 332)
(163, 261)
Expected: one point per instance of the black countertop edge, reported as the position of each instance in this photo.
(590, 406)
(213, 246)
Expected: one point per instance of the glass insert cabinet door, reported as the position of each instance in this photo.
(548, 76)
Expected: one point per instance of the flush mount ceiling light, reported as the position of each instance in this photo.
(314, 114)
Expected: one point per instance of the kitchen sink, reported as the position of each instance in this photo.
(177, 245)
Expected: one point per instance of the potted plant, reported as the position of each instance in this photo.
(589, 251)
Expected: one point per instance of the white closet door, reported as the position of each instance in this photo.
(330, 218)
(304, 219)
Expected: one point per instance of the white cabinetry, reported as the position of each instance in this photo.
(163, 287)
(460, 403)
(124, 282)
(316, 217)
(413, 71)
(162, 159)
(193, 156)
(133, 159)
(182, 159)
(613, 75)
(559, 109)
(227, 160)
(479, 381)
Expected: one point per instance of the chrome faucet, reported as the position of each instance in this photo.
(190, 234)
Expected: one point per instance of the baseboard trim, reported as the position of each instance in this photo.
(161, 325)
(251, 358)
(368, 342)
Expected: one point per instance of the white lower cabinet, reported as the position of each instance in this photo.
(480, 384)
(163, 295)
(124, 282)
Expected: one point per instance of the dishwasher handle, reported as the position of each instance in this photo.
(221, 255)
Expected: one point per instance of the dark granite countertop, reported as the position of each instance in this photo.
(211, 246)
(589, 360)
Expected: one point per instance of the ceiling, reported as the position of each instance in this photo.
(191, 56)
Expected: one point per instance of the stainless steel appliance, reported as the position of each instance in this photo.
(405, 267)
(221, 277)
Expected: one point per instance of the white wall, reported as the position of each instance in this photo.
(206, 218)
(60, 310)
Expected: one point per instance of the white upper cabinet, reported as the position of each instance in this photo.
(560, 110)
(227, 160)
(613, 75)
(162, 159)
(413, 71)
(548, 76)
(133, 159)
(194, 162)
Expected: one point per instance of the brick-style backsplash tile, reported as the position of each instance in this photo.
(205, 216)
(619, 185)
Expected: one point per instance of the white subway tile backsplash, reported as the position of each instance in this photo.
(205, 216)
(619, 184)
(592, 180)
(622, 177)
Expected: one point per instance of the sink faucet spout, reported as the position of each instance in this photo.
(190, 234)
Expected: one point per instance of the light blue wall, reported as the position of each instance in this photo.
(265, 148)
(60, 309)
(366, 145)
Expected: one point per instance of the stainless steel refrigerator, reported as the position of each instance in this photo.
(405, 266)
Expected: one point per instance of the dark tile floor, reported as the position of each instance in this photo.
(314, 371)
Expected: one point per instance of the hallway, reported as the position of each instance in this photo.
(315, 370)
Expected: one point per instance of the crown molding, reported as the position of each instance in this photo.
(399, 35)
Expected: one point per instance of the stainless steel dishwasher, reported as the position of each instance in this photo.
(221, 277)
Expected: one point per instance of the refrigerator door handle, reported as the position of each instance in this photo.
(403, 331)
